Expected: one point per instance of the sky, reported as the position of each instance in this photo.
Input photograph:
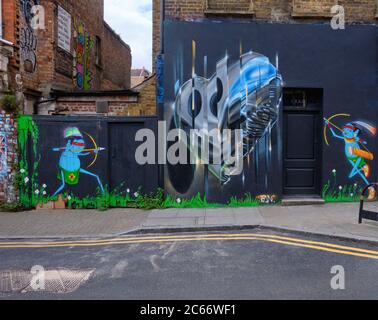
(132, 20)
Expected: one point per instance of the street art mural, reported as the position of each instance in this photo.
(28, 37)
(243, 94)
(204, 71)
(6, 132)
(28, 45)
(3, 155)
(354, 135)
(26, 9)
(83, 45)
(66, 163)
(69, 162)
(8, 155)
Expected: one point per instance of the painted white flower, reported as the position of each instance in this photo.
(334, 171)
(44, 186)
(355, 184)
(340, 188)
(22, 171)
(136, 194)
(69, 198)
(352, 195)
(44, 193)
(128, 190)
(26, 180)
(36, 192)
(178, 200)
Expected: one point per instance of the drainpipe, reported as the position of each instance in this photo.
(1, 19)
(160, 86)
(162, 19)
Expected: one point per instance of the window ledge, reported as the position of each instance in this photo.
(213, 12)
(312, 15)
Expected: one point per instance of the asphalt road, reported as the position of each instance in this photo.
(203, 266)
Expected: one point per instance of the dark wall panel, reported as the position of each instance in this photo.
(85, 160)
(342, 63)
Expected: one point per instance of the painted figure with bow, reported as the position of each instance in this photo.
(70, 163)
(356, 150)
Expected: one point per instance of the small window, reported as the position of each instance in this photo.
(98, 51)
(320, 8)
(294, 98)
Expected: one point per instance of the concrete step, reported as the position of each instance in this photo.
(302, 201)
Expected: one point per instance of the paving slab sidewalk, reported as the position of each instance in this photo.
(337, 220)
(69, 223)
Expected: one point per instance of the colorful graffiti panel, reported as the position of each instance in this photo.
(242, 96)
(201, 68)
(83, 45)
(81, 162)
(354, 137)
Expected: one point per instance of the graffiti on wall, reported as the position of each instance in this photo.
(28, 45)
(70, 166)
(83, 45)
(63, 165)
(354, 135)
(7, 155)
(242, 95)
(28, 38)
(6, 130)
(26, 9)
(3, 155)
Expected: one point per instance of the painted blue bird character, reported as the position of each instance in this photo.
(69, 162)
(356, 151)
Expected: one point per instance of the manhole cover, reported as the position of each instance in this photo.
(59, 280)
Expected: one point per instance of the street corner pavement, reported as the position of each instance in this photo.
(335, 220)
(69, 223)
(203, 218)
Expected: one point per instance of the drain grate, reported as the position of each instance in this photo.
(59, 280)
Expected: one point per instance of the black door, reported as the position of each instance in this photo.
(125, 172)
(302, 147)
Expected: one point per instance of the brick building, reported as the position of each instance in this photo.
(60, 58)
(303, 93)
(61, 45)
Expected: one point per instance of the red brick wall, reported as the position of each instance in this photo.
(121, 105)
(54, 67)
(116, 57)
(90, 14)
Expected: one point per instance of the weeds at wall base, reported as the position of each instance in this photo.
(11, 207)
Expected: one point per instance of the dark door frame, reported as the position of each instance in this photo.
(315, 109)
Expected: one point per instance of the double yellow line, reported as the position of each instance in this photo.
(315, 245)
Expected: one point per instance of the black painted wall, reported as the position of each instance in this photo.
(342, 63)
(115, 165)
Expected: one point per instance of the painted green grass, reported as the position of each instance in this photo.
(347, 193)
(199, 202)
(138, 200)
(247, 201)
(195, 202)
